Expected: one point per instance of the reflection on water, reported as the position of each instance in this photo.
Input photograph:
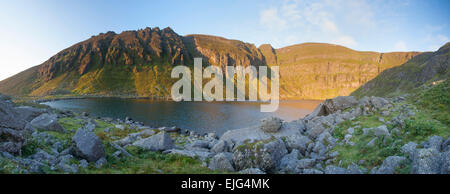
(202, 117)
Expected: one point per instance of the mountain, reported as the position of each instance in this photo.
(321, 71)
(139, 63)
(423, 69)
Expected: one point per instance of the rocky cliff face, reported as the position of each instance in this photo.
(422, 69)
(140, 62)
(320, 71)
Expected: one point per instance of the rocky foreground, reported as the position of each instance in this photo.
(342, 136)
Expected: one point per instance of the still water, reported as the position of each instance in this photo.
(201, 117)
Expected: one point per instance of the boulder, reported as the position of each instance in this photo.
(12, 140)
(298, 142)
(265, 155)
(434, 142)
(170, 129)
(339, 103)
(252, 171)
(239, 136)
(289, 163)
(409, 149)
(222, 161)
(354, 169)
(271, 124)
(312, 171)
(390, 164)
(335, 170)
(29, 113)
(47, 122)
(445, 162)
(445, 145)
(331, 106)
(86, 145)
(10, 117)
(158, 142)
(426, 161)
(222, 146)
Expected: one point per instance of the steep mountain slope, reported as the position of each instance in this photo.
(139, 63)
(319, 71)
(422, 69)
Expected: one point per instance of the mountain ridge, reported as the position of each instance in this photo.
(139, 63)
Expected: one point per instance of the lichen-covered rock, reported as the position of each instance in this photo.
(434, 142)
(445, 162)
(158, 142)
(298, 142)
(335, 170)
(271, 124)
(426, 161)
(222, 146)
(222, 161)
(47, 122)
(390, 164)
(86, 145)
(410, 149)
(252, 171)
(265, 155)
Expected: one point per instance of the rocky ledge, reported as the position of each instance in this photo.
(342, 136)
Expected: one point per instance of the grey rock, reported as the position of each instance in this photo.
(240, 136)
(222, 161)
(265, 155)
(434, 142)
(312, 171)
(48, 122)
(331, 106)
(289, 163)
(354, 169)
(87, 145)
(29, 113)
(410, 149)
(10, 117)
(298, 142)
(83, 164)
(446, 145)
(222, 146)
(426, 161)
(121, 150)
(101, 162)
(200, 144)
(335, 170)
(252, 171)
(445, 162)
(350, 130)
(170, 129)
(158, 142)
(390, 164)
(271, 124)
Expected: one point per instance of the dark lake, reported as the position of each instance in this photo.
(202, 117)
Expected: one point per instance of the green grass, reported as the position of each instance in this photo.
(142, 162)
(429, 120)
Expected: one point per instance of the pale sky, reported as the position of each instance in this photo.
(33, 30)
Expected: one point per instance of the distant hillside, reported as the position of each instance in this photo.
(139, 63)
(320, 71)
(422, 69)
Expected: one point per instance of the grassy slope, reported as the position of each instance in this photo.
(431, 118)
(422, 69)
(142, 162)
